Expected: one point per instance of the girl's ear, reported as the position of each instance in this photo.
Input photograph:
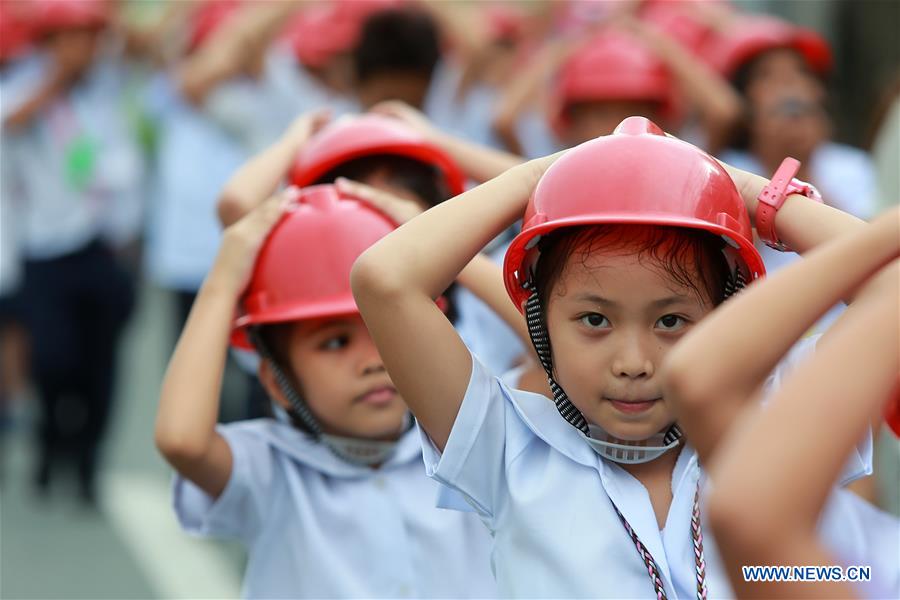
(270, 384)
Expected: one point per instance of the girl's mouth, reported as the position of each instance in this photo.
(379, 396)
(633, 406)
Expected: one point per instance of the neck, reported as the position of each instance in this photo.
(656, 477)
(664, 465)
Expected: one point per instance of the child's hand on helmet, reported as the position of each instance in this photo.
(406, 113)
(400, 210)
(242, 241)
(305, 126)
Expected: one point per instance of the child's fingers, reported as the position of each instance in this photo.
(264, 218)
(399, 209)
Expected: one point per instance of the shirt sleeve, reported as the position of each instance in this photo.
(859, 463)
(474, 459)
(238, 511)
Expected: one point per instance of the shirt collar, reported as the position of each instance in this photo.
(302, 448)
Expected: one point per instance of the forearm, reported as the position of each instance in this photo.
(820, 413)
(189, 400)
(718, 105)
(255, 181)
(476, 161)
(425, 255)
(225, 53)
(524, 89)
(485, 280)
(26, 112)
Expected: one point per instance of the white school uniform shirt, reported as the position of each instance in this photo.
(194, 159)
(547, 499)
(60, 216)
(318, 527)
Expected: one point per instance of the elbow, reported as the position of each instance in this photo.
(229, 208)
(179, 449)
(686, 386)
(371, 280)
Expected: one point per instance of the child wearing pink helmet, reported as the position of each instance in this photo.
(628, 241)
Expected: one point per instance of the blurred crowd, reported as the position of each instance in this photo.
(122, 120)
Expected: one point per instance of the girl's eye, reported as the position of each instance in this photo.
(335, 343)
(594, 321)
(671, 322)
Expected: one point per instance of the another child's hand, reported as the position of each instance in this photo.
(400, 210)
(305, 126)
(409, 115)
(242, 241)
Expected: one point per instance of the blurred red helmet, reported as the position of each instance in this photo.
(55, 15)
(892, 411)
(679, 21)
(318, 33)
(207, 18)
(635, 176)
(749, 37)
(613, 66)
(303, 269)
(370, 135)
(16, 30)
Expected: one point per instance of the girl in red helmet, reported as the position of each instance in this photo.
(818, 414)
(628, 241)
(329, 496)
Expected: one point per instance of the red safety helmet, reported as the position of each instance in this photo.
(370, 135)
(679, 21)
(55, 15)
(638, 176)
(892, 411)
(318, 33)
(751, 36)
(613, 66)
(303, 268)
(207, 18)
(15, 30)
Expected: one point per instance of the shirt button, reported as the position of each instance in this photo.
(404, 590)
(379, 483)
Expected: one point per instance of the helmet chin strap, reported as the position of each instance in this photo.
(357, 451)
(607, 446)
(632, 452)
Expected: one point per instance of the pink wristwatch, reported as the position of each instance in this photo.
(782, 185)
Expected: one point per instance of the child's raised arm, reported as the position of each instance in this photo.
(478, 162)
(750, 333)
(396, 280)
(189, 401)
(258, 178)
(811, 424)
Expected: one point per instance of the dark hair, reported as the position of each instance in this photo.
(424, 180)
(397, 40)
(691, 257)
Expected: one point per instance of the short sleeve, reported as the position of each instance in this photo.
(238, 511)
(473, 461)
(859, 463)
